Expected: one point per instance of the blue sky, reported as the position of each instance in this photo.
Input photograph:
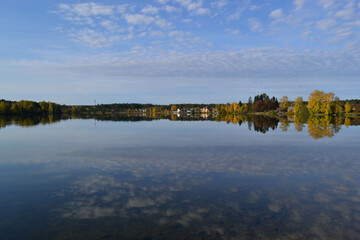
(170, 51)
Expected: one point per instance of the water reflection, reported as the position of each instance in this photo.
(223, 192)
(28, 121)
(264, 123)
(317, 127)
(250, 189)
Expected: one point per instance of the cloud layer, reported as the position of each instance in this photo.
(210, 50)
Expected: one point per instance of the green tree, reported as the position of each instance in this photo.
(250, 105)
(15, 108)
(300, 110)
(3, 107)
(338, 108)
(44, 106)
(51, 108)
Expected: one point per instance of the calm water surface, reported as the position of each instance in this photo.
(177, 180)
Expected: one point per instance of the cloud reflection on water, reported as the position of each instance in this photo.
(258, 189)
(236, 186)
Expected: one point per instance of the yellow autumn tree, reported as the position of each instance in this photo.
(173, 108)
(347, 107)
(235, 107)
(320, 127)
(298, 124)
(347, 122)
(320, 102)
(284, 124)
(284, 102)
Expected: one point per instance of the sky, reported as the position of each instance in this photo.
(177, 51)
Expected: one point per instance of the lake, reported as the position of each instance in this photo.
(161, 179)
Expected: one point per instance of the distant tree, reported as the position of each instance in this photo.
(300, 110)
(259, 106)
(284, 102)
(338, 108)
(250, 105)
(298, 104)
(270, 104)
(235, 107)
(44, 106)
(347, 107)
(15, 108)
(51, 108)
(320, 102)
(174, 108)
(261, 97)
(3, 107)
(243, 108)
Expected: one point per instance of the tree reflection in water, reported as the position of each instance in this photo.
(28, 121)
(318, 127)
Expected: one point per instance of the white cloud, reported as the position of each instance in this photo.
(138, 19)
(150, 10)
(156, 34)
(236, 15)
(162, 23)
(255, 25)
(299, 4)
(85, 13)
(277, 14)
(306, 34)
(219, 3)
(348, 12)
(163, 1)
(202, 11)
(170, 9)
(254, 7)
(354, 24)
(186, 20)
(327, 3)
(325, 24)
(176, 34)
(279, 66)
(189, 4)
(87, 9)
(233, 31)
(94, 39)
(343, 33)
(111, 26)
(122, 8)
(194, 6)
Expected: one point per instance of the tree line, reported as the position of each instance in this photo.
(25, 107)
(319, 103)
